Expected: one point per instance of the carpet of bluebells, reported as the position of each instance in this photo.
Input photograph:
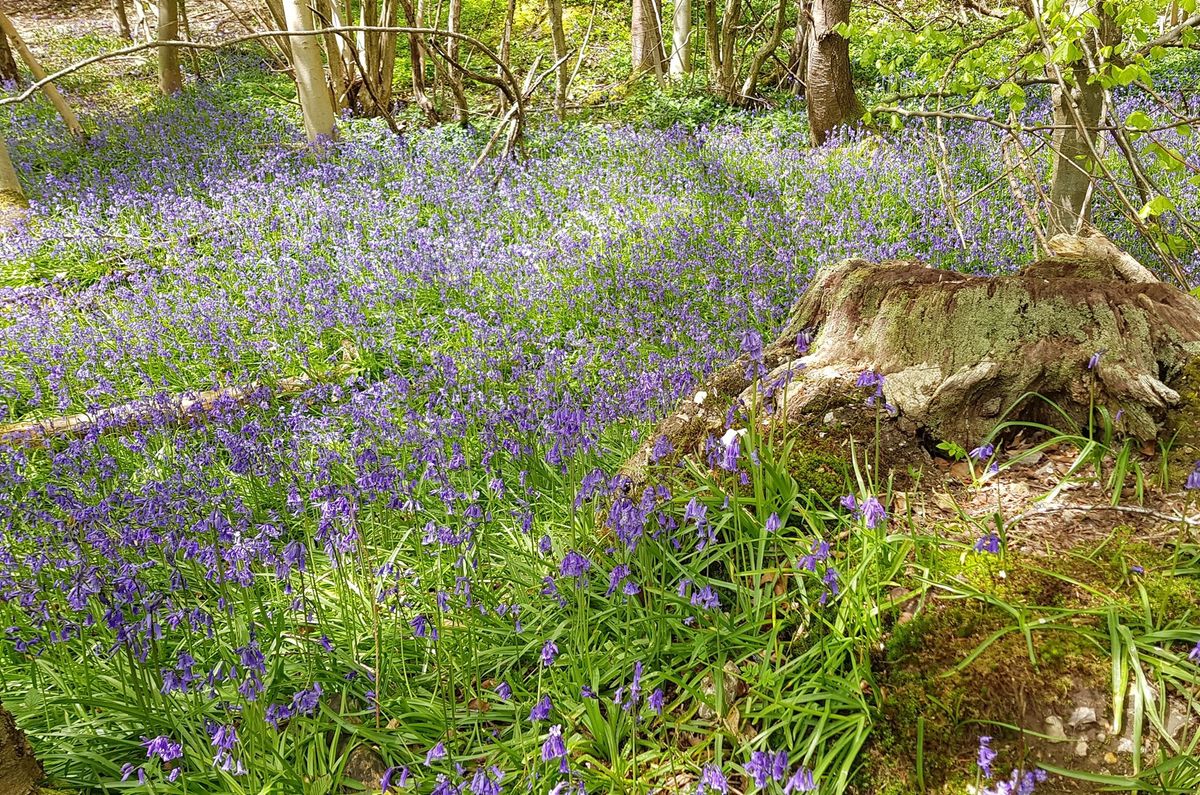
(421, 570)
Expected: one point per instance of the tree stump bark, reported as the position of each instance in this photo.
(960, 353)
(20, 771)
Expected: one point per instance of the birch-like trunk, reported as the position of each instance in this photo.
(681, 34)
(645, 35)
(829, 87)
(315, 103)
(170, 79)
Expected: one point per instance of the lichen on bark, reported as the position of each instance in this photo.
(961, 353)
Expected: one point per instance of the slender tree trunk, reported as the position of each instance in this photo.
(12, 198)
(414, 13)
(645, 34)
(121, 20)
(555, 8)
(750, 86)
(315, 103)
(798, 56)
(170, 79)
(1078, 113)
(832, 102)
(454, 23)
(681, 33)
(8, 65)
(727, 79)
(324, 11)
(506, 47)
(39, 74)
(712, 41)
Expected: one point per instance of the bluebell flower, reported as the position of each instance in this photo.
(435, 754)
(983, 452)
(706, 598)
(574, 565)
(988, 543)
(386, 783)
(554, 747)
(874, 513)
(541, 710)
(712, 778)
(1194, 654)
(1193, 481)
(657, 701)
(504, 691)
(163, 747)
(549, 652)
(986, 756)
(801, 781)
(485, 782)
(773, 523)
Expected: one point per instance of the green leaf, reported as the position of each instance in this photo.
(1156, 206)
(1138, 121)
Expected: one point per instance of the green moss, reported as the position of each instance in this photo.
(819, 472)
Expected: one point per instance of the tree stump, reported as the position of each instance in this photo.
(20, 771)
(1088, 327)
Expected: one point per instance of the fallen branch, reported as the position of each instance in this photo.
(36, 433)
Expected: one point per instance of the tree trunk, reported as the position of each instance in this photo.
(35, 68)
(727, 76)
(170, 79)
(959, 354)
(798, 55)
(8, 65)
(506, 47)
(454, 23)
(681, 33)
(12, 197)
(1078, 112)
(750, 86)
(645, 35)
(414, 13)
(319, 121)
(121, 20)
(563, 69)
(829, 87)
(712, 40)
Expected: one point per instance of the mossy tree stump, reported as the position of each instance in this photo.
(960, 353)
(20, 771)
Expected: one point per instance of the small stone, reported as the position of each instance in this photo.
(1125, 746)
(1101, 737)
(700, 397)
(1054, 729)
(1177, 720)
(1081, 717)
(1081, 748)
(1110, 758)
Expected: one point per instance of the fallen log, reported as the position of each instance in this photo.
(35, 433)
